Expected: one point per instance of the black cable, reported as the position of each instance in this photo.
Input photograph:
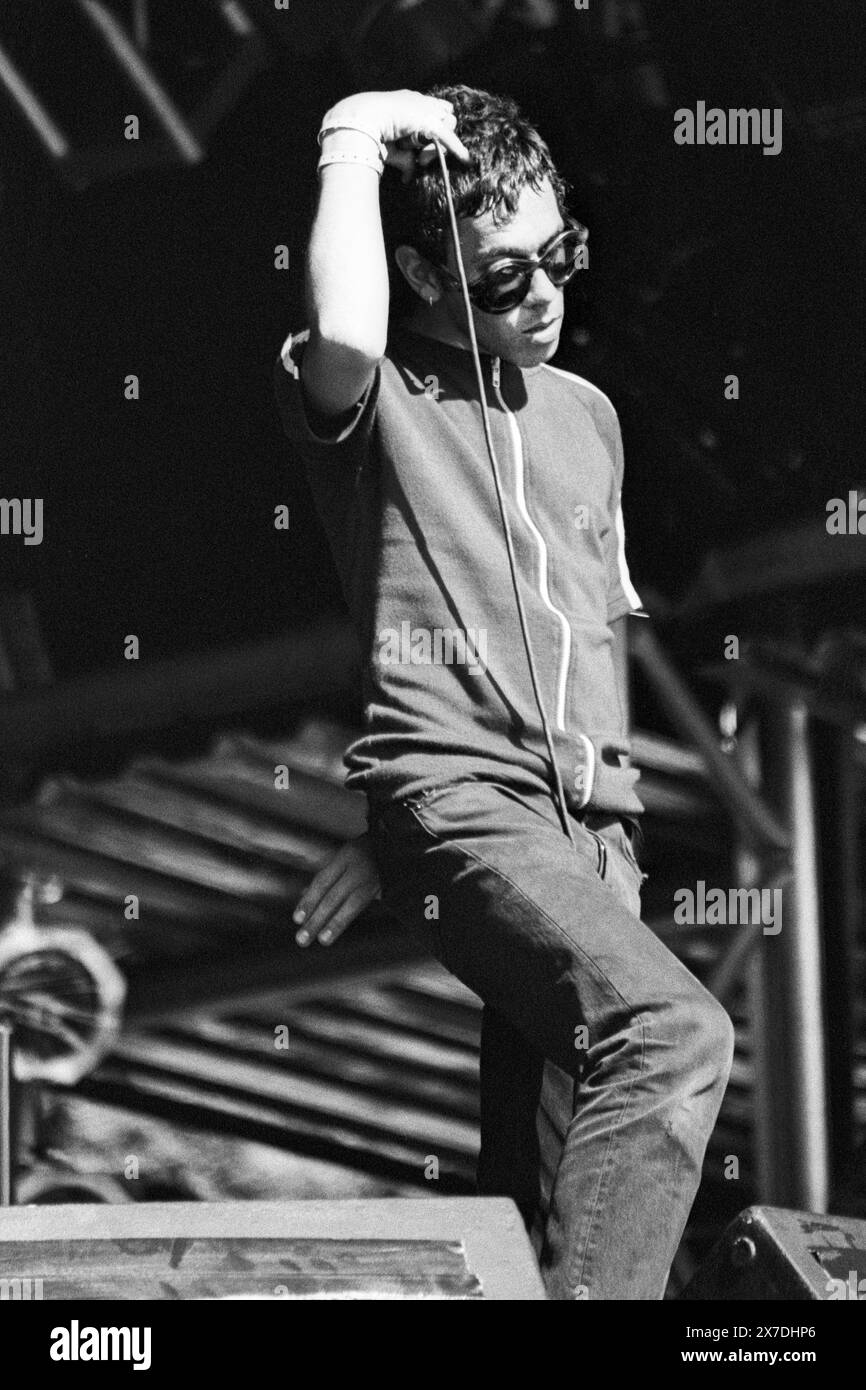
(485, 418)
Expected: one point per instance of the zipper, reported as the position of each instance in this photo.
(602, 852)
(541, 545)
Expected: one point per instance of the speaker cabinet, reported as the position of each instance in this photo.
(768, 1253)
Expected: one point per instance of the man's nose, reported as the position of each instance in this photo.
(542, 289)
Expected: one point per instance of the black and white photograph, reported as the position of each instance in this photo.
(432, 669)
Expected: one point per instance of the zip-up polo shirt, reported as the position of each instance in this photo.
(405, 491)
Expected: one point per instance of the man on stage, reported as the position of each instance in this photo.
(603, 1060)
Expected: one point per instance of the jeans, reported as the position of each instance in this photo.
(603, 1060)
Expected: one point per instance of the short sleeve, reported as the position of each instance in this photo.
(318, 439)
(622, 597)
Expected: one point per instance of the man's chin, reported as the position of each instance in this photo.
(550, 348)
(531, 353)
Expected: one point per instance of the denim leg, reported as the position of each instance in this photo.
(636, 1052)
(511, 1072)
(665, 1099)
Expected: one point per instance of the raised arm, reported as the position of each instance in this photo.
(346, 271)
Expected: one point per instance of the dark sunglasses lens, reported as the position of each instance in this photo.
(503, 290)
(562, 261)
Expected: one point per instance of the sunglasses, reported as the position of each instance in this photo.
(505, 283)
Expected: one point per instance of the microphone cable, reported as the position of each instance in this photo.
(559, 798)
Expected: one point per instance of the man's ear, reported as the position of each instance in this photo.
(418, 272)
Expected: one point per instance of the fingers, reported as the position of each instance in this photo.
(436, 120)
(345, 885)
(325, 879)
(444, 129)
(453, 145)
(338, 907)
(346, 914)
(446, 136)
(317, 909)
(408, 160)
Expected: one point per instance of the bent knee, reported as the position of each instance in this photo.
(705, 1036)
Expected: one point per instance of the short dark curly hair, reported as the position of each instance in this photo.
(508, 154)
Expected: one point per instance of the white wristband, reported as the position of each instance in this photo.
(350, 157)
(343, 125)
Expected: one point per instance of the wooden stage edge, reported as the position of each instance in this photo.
(488, 1231)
